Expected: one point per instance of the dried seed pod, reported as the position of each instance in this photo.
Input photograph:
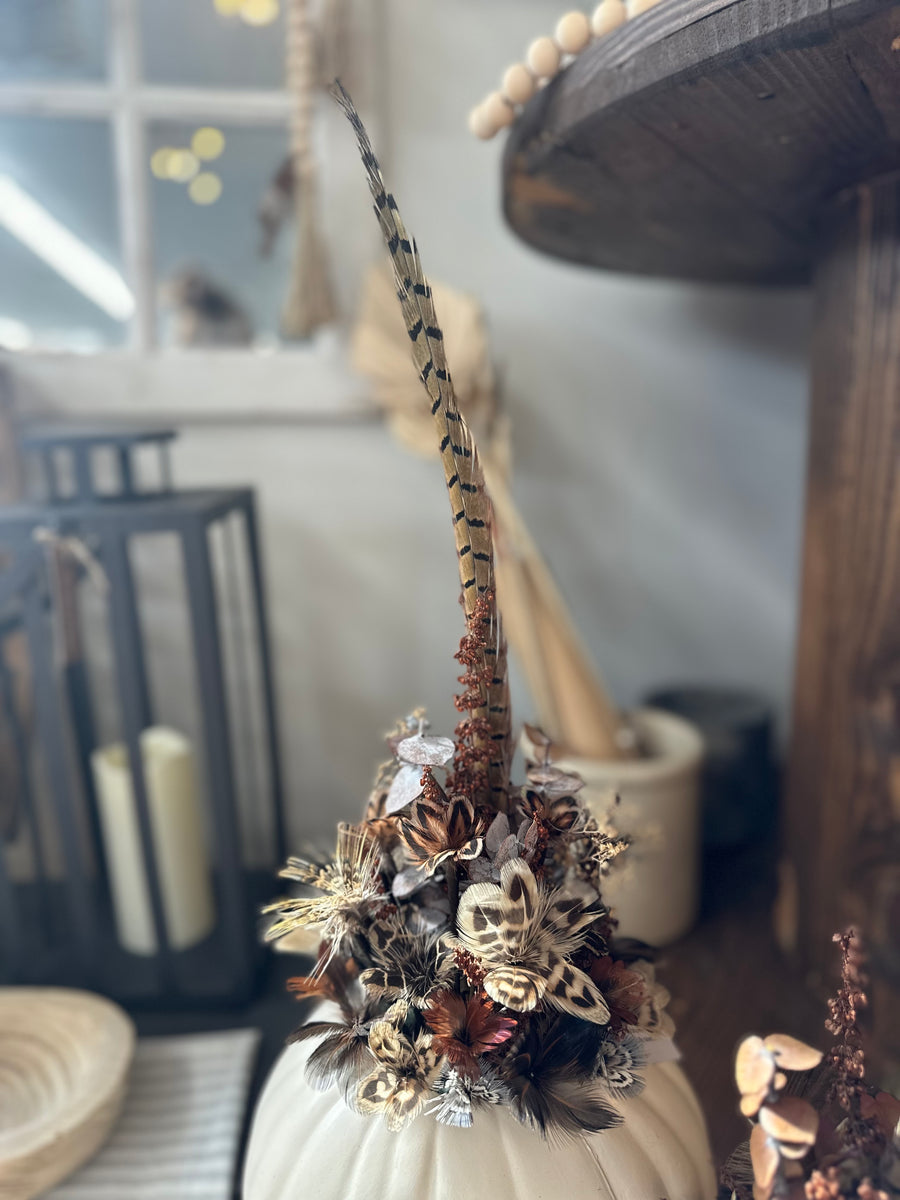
(754, 1066)
(790, 1120)
(752, 1102)
(764, 1156)
(792, 1054)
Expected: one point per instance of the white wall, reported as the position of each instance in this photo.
(659, 427)
(659, 438)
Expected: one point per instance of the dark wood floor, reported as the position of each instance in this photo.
(728, 979)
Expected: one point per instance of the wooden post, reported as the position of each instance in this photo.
(842, 824)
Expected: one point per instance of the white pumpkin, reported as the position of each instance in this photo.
(305, 1143)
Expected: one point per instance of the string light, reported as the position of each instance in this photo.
(208, 143)
(160, 160)
(258, 12)
(206, 188)
(182, 165)
(228, 8)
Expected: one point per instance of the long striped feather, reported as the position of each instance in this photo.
(469, 501)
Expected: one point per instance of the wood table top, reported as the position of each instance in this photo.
(701, 139)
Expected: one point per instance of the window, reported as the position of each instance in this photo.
(137, 139)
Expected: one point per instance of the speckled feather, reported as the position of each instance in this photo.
(469, 500)
(522, 934)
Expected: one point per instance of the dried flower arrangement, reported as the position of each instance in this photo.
(465, 950)
(827, 1135)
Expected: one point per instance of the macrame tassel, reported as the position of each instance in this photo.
(310, 300)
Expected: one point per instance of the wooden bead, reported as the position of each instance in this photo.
(573, 32)
(608, 15)
(518, 84)
(498, 112)
(481, 125)
(543, 57)
(636, 7)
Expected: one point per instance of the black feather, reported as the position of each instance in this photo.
(550, 1079)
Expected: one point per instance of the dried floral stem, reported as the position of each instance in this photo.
(847, 1057)
(471, 773)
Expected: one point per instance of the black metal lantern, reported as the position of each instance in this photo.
(125, 857)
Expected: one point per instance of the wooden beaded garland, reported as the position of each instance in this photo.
(480, 124)
(544, 57)
(497, 111)
(608, 15)
(573, 32)
(518, 84)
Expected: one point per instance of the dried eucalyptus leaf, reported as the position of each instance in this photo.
(509, 850)
(553, 782)
(407, 881)
(426, 751)
(537, 737)
(498, 832)
(406, 787)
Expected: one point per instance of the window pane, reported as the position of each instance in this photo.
(216, 285)
(213, 43)
(52, 39)
(60, 260)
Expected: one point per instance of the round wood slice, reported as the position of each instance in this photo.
(64, 1061)
(701, 139)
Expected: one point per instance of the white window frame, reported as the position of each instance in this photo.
(144, 378)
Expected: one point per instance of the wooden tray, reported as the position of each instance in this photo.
(64, 1061)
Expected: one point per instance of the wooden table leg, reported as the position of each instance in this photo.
(842, 826)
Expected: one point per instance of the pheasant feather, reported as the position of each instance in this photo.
(470, 504)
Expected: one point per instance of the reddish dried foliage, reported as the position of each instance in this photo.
(473, 734)
(847, 1057)
(470, 967)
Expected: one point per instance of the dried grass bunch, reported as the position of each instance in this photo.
(464, 947)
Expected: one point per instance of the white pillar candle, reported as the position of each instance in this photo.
(181, 858)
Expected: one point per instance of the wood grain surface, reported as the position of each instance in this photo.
(728, 979)
(843, 799)
(701, 139)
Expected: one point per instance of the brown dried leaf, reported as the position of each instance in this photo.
(754, 1066)
(764, 1156)
(790, 1120)
(792, 1054)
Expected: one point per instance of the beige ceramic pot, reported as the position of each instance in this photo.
(654, 888)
